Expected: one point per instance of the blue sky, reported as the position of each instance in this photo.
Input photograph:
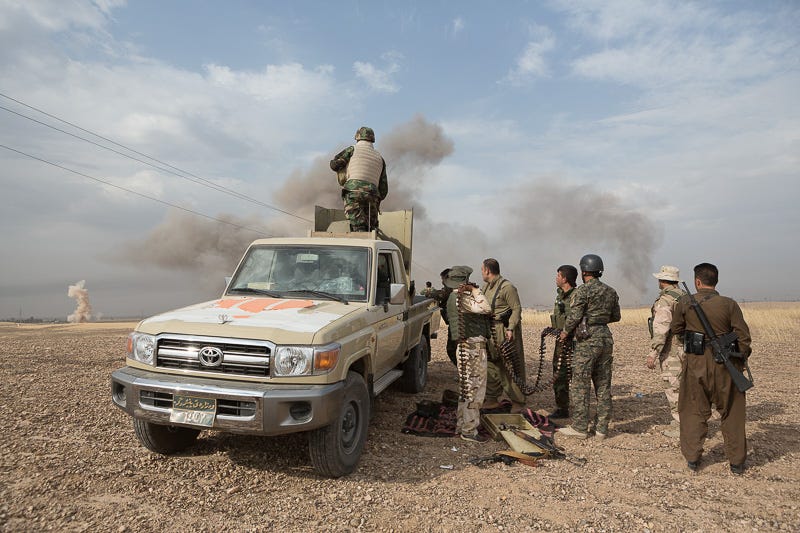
(650, 133)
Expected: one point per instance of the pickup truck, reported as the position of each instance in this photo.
(307, 332)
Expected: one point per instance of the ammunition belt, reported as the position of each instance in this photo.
(513, 363)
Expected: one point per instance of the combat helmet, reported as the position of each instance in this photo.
(365, 134)
(592, 263)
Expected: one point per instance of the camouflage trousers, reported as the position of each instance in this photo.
(671, 366)
(592, 363)
(361, 209)
(560, 379)
(472, 382)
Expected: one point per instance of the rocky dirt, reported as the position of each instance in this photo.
(69, 460)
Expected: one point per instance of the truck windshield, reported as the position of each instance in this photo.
(285, 270)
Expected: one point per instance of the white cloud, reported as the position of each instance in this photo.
(378, 79)
(532, 63)
(456, 26)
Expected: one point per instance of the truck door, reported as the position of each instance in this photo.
(390, 326)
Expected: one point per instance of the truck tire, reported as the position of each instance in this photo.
(336, 449)
(415, 369)
(164, 439)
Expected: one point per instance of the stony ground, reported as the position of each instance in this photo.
(69, 460)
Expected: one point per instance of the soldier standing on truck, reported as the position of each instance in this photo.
(361, 172)
(663, 346)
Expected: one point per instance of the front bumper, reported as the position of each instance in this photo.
(242, 407)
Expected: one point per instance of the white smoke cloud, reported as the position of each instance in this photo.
(83, 311)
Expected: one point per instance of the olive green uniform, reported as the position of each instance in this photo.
(561, 365)
(498, 380)
(704, 381)
(592, 359)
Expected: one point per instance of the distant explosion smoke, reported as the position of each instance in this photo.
(83, 311)
(185, 242)
(409, 150)
(581, 218)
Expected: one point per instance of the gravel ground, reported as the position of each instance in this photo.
(70, 461)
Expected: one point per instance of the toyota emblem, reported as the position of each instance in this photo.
(210, 356)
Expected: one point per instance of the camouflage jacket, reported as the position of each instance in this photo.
(660, 319)
(473, 319)
(598, 302)
(339, 165)
(561, 307)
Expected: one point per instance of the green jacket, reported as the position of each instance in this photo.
(507, 298)
(561, 307)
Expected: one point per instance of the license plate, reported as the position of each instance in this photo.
(193, 410)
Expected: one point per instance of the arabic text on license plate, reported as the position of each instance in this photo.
(193, 410)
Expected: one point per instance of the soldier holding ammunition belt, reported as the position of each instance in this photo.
(468, 310)
(507, 314)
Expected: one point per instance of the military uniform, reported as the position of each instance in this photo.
(592, 358)
(441, 296)
(561, 365)
(663, 347)
(704, 381)
(498, 379)
(361, 171)
(469, 328)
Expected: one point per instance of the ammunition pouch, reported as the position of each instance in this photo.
(694, 342)
(650, 326)
(582, 330)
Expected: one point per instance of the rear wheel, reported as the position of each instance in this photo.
(164, 439)
(336, 449)
(415, 369)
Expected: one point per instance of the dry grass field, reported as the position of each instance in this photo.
(69, 460)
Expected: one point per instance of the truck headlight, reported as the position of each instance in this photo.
(305, 360)
(141, 347)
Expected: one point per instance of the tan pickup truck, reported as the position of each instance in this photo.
(307, 332)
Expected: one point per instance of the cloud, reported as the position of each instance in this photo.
(378, 79)
(532, 63)
(456, 25)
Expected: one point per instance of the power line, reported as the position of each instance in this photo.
(180, 172)
(153, 198)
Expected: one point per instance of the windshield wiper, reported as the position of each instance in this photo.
(320, 293)
(256, 291)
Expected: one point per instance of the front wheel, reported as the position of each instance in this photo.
(415, 369)
(164, 439)
(336, 449)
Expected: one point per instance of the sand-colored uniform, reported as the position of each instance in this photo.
(498, 380)
(666, 349)
(704, 381)
(469, 328)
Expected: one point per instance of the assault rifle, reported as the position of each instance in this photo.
(722, 347)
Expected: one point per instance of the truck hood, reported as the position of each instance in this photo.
(280, 320)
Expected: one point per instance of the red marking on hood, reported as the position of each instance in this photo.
(257, 305)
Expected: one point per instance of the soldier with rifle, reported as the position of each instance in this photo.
(716, 340)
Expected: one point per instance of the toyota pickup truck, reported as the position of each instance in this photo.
(307, 332)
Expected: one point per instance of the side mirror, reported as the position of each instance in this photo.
(397, 293)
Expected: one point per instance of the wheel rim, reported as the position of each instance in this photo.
(350, 427)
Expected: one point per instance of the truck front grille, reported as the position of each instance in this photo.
(239, 357)
(226, 407)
